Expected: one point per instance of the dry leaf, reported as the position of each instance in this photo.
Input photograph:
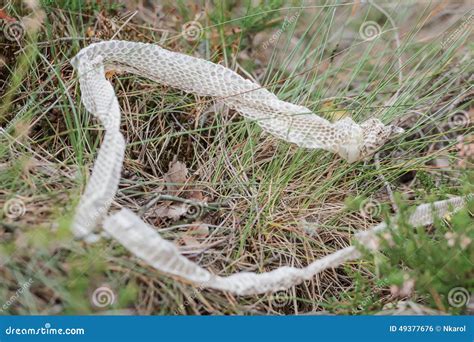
(176, 177)
(110, 74)
(333, 111)
(196, 232)
(171, 211)
(6, 17)
(200, 230)
(190, 241)
(90, 32)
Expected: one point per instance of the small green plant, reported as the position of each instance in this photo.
(433, 266)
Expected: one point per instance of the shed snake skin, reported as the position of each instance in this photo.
(293, 123)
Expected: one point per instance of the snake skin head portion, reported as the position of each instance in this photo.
(375, 135)
(361, 141)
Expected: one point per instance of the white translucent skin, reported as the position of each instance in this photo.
(290, 122)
